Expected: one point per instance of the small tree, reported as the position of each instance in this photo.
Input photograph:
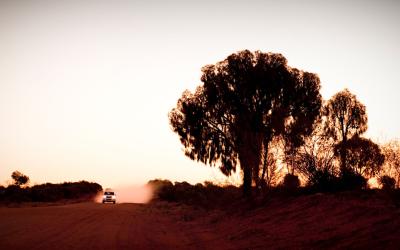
(315, 160)
(19, 178)
(363, 156)
(345, 117)
(391, 150)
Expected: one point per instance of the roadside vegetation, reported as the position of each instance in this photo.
(20, 191)
(255, 114)
(229, 198)
(207, 195)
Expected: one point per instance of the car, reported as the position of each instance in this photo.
(109, 196)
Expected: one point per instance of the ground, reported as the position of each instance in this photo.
(312, 221)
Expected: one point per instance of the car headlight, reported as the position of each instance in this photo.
(104, 196)
(113, 197)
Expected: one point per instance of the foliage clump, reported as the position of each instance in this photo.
(387, 182)
(19, 178)
(207, 195)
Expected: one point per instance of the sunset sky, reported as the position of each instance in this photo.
(86, 86)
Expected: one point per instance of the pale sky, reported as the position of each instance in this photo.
(86, 86)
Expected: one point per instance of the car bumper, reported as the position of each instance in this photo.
(108, 200)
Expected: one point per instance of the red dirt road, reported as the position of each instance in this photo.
(98, 226)
(339, 221)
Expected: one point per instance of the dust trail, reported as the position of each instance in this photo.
(130, 194)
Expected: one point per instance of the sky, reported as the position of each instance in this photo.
(86, 86)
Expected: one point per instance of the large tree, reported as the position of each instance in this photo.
(243, 102)
(345, 117)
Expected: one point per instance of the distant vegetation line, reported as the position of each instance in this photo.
(49, 192)
(212, 196)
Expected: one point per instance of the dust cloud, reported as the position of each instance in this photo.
(130, 194)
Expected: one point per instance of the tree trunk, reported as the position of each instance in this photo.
(247, 177)
(250, 142)
(265, 169)
(247, 162)
(343, 154)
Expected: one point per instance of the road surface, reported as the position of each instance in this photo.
(101, 226)
(329, 221)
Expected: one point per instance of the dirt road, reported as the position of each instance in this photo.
(100, 226)
(331, 221)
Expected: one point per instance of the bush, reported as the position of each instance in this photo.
(323, 181)
(162, 189)
(291, 182)
(2, 192)
(16, 194)
(387, 182)
(350, 180)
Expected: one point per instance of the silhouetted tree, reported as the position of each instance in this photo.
(345, 117)
(391, 150)
(19, 178)
(244, 102)
(363, 156)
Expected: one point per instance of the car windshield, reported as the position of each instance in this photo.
(108, 193)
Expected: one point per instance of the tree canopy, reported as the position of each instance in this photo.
(19, 178)
(363, 156)
(243, 102)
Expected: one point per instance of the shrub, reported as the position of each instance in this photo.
(2, 192)
(16, 193)
(350, 180)
(323, 181)
(162, 189)
(291, 182)
(387, 182)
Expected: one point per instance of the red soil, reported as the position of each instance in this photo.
(313, 221)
